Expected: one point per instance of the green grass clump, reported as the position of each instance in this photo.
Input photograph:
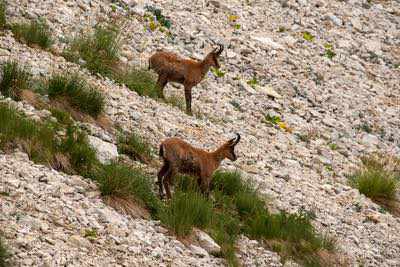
(135, 147)
(81, 155)
(77, 92)
(36, 139)
(121, 181)
(71, 153)
(3, 18)
(293, 235)
(98, 52)
(375, 181)
(4, 254)
(36, 32)
(187, 209)
(138, 80)
(62, 117)
(14, 79)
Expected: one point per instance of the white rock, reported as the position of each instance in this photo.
(206, 242)
(106, 152)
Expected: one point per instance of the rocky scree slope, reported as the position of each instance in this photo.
(328, 100)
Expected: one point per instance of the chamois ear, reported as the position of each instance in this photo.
(234, 141)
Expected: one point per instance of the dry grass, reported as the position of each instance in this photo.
(127, 206)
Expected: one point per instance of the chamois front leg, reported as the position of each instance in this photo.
(168, 182)
(188, 98)
(161, 83)
(165, 169)
(205, 186)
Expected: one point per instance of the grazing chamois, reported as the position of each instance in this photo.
(172, 68)
(180, 157)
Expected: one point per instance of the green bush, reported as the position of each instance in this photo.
(14, 79)
(36, 32)
(121, 181)
(135, 147)
(77, 92)
(99, 51)
(4, 254)
(187, 209)
(3, 18)
(138, 80)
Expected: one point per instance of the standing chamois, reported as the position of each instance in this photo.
(172, 68)
(181, 157)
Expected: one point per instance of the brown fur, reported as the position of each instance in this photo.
(172, 68)
(180, 157)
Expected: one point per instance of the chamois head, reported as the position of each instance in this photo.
(228, 149)
(212, 57)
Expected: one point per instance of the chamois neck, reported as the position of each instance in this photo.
(217, 155)
(205, 66)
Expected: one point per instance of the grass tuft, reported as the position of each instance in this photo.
(14, 79)
(82, 156)
(37, 140)
(3, 17)
(121, 181)
(378, 179)
(98, 52)
(138, 80)
(187, 209)
(135, 147)
(4, 254)
(36, 32)
(77, 92)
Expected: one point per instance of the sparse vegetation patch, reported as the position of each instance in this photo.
(138, 80)
(135, 147)
(98, 52)
(37, 32)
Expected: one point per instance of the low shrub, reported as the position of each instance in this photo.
(36, 32)
(14, 79)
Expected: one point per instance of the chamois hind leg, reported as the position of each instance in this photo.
(164, 170)
(161, 83)
(188, 98)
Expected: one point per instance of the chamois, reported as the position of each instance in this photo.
(180, 157)
(172, 68)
